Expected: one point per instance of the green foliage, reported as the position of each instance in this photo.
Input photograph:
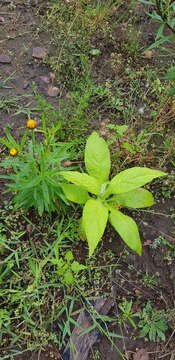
(135, 198)
(118, 130)
(152, 323)
(67, 268)
(35, 179)
(108, 196)
(95, 216)
(33, 295)
(163, 13)
(127, 314)
(171, 77)
(99, 165)
(127, 229)
(71, 34)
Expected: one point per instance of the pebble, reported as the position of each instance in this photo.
(39, 52)
(5, 59)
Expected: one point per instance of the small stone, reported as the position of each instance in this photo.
(2, 20)
(45, 79)
(5, 59)
(52, 76)
(141, 110)
(53, 91)
(66, 163)
(39, 52)
(148, 54)
(29, 228)
(25, 84)
(141, 354)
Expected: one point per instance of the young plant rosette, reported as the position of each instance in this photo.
(108, 196)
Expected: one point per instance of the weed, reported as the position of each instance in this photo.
(67, 267)
(75, 23)
(153, 323)
(127, 314)
(150, 280)
(31, 287)
(7, 104)
(168, 248)
(4, 83)
(171, 77)
(35, 165)
(132, 41)
(163, 13)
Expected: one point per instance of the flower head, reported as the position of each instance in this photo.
(13, 152)
(31, 124)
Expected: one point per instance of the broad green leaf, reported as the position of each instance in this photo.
(69, 256)
(131, 179)
(119, 129)
(97, 157)
(138, 198)
(68, 277)
(127, 229)
(95, 216)
(76, 267)
(83, 180)
(75, 193)
(81, 230)
(95, 52)
(129, 147)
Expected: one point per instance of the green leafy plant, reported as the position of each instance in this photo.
(108, 196)
(4, 322)
(67, 267)
(127, 313)
(119, 130)
(164, 13)
(152, 323)
(171, 77)
(35, 164)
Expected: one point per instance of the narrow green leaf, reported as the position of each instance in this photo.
(131, 179)
(95, 216)
(127, 229)
(97, 157)
(45, 191)
(167, 38)
(28, 185)
(83, 180)
(138, 198)
(75, 193)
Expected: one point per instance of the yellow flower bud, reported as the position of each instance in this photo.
(31, 124)
(13, 152)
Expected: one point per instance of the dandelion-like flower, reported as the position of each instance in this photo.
(13, 152)
(31, 124)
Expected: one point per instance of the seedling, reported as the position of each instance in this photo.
(163, 13)
(152, 323)
(103, 198)
(35, 166)
(67, 267)
(127, 313)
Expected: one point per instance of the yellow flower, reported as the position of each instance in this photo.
(31, 124)
(13, 152)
